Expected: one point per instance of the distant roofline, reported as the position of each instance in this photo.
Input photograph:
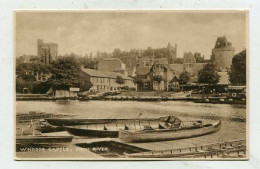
(105, 74)
(224, 48)
(113, 59)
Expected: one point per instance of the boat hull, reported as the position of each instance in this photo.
(76, 122)
(92, 133)
(43, 139)
(50, 129)
(73, 122)
(166, 134)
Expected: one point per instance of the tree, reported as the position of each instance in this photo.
(179, 60)
(120, 80)
(117, 53)
(208, 74)
(26, 77)
(67, 73)
(31, 68)
(184, 77)
(237, 74)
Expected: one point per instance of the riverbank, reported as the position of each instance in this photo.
(197, 98)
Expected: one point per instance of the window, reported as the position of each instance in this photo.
(146, 85)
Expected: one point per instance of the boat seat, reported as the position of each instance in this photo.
(161, 127)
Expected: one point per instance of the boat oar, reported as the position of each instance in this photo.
(139, 119)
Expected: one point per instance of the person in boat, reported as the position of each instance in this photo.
(170, 122)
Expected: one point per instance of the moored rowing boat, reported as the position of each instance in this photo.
(92, 132)
(43, 139)
(112, 129)
(75, 122)
(168, 133)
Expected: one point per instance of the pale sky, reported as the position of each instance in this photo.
(92, 31)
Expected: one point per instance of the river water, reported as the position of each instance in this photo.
(233, 117)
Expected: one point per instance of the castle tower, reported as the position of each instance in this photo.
(39, 47)
(172, 53)
(222, 54)
(48, 52)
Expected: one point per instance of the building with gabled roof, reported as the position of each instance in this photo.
(112, 65)
(174, 84)
(106, 81)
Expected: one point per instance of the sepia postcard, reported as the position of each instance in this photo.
(131, 85)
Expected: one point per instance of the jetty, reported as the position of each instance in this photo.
(225, 149)
(115, 148)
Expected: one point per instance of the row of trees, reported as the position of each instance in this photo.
(209, 75)
(65, 72)
(206, 75)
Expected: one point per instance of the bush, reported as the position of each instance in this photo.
(33, 86)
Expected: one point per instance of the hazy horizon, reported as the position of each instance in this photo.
(92, 31)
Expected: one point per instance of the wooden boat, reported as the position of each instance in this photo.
(211, 150)
(32, 139)
(92, 132)
(45, 127)
(50, 129)
(171, 133)
(76, 122)
(166, 124)
(111, 129)
(32, 115)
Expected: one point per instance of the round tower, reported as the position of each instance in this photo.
(222, 54)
